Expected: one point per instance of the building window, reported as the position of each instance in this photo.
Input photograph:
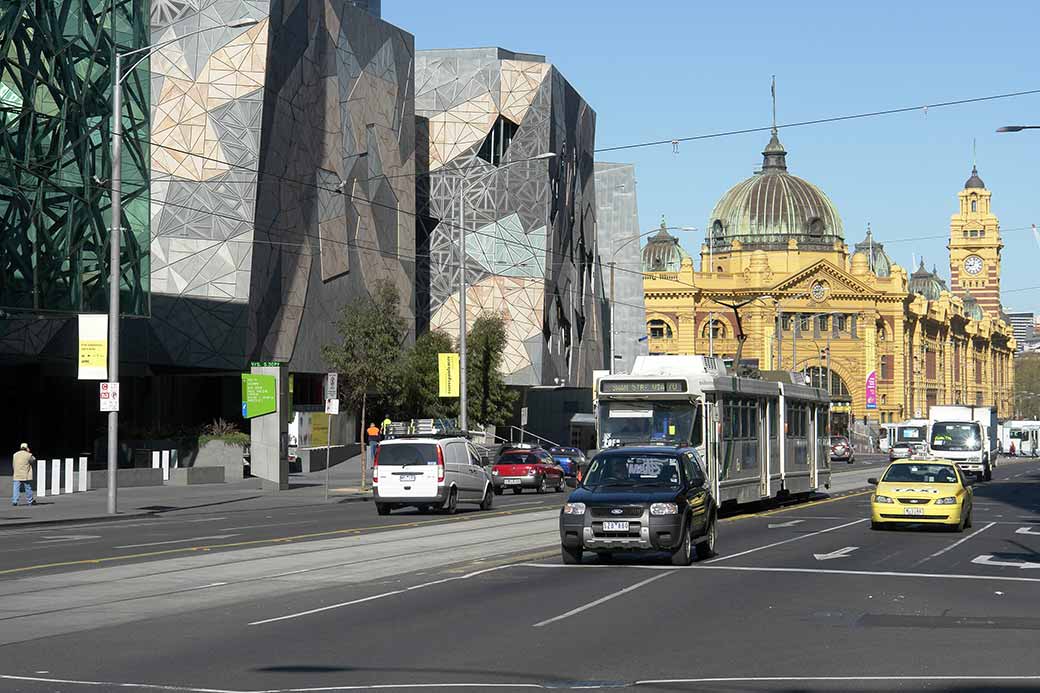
(886, 367)
(974, 205)
(982, 233)
(929, 365)
(816, 227)
(841, 323)
(659, 329)
(713, 328)
(497, 141)
(973, 233)
(965, 233)
(785, 323)
(824, 321)
(803, 322)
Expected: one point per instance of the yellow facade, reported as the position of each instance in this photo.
(811, 297)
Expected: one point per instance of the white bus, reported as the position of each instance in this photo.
(758, 438)
(1024, 434)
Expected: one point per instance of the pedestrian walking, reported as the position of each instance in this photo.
(23, 475)
(373, 440)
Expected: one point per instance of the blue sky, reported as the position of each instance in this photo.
(658, 70)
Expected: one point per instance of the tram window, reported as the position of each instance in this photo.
(774, 424)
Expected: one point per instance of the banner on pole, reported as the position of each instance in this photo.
(448, 370)
(872, 390)
(93, 347)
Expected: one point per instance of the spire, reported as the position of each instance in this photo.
(772, 91)
(663, 233)
(774, 158)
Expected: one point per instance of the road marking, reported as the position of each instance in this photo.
(989, 560)
(840, 553)
(790, 523)
(112, 685)
(867, 573)
(1027, 530)
(785, 541)
(955, 544)
(270, 524)
(374, 597)
(779, 679)
(52, 539)
(175, 541)
(212, 584)
(601, 600)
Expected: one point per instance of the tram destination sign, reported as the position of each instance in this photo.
(639, 387)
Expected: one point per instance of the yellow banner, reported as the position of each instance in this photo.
(93, 347)
(448, 370)
(319, 429)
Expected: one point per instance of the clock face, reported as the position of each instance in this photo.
(973, 264)
(818, 291)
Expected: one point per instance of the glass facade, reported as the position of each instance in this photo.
(55, 155)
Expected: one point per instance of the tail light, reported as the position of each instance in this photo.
(440, 465)
(375, 467)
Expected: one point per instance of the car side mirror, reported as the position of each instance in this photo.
(872, 481)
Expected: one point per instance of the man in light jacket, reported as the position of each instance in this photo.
(23, 474)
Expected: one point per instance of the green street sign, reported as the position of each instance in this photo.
(259, 395)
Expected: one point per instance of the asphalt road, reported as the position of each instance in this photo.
(805, 597)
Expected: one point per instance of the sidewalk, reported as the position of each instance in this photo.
(144, 501)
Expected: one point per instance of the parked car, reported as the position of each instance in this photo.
(518, 468)
(640, 498)
(841, 449)
(570, 459)
(428, 472)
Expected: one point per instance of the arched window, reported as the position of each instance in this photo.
(818, 378)
(881, 335)
(659, 329)
(816, 227)
(974, 205)
(716, 228)
(714, 328)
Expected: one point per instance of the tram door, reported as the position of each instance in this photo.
(712, 444)
(813, 445)
(764, 438)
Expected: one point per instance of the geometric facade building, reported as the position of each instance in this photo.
(484, 115)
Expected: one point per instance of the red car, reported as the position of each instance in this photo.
(520, 468)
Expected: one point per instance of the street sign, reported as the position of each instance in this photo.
(259, 395)
(93, 347)
(332, 406)
(523, 416)
(331, 385)
(109, 396)
(448, 373)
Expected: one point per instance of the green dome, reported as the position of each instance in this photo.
(662, 253)
(771, 207)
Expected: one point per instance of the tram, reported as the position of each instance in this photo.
(1024, 434)
(758, 438)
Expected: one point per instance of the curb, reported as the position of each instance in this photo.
(89, 519)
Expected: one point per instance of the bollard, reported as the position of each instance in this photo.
(41, 487)
(174, 463)
(55, 477)
(165, 465)
(82, 473)
(155, 459)
(68, 475)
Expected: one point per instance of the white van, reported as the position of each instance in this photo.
(428, 472)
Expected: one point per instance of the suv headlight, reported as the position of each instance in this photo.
(574, 509)
(663, 509)
(883, 499)
(949, 500)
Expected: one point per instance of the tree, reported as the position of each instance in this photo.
(1027, 386)
(490, 400)
(420, 378)
(368, 357)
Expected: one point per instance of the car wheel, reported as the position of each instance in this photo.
(987, 474)
(498, 491)
(489, 498)
(706, 548)
(684, 554)
(543, 487)
(383, 508)
(967, 520)
(570, 556)
(561, 485)
(452, 504)
(877, 525)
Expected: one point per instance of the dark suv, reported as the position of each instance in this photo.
(647, 498)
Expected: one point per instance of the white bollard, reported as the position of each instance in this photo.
(41, 487)
(174, 463)
(68, 475)
(165, 465)
(55, 477)
(81, 471)
(155, 459)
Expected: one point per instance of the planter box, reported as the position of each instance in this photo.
(217, 453)
(313, 459)
(126, 478)
(189, 476)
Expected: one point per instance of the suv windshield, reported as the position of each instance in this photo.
(956, 436)
(921, 474)
(633, 470)
(401, 454)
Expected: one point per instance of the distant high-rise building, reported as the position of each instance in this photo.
(1024, 325)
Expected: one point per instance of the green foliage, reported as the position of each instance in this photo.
(420, 378)
(1027, 386)
(490, 400)
(224, 431)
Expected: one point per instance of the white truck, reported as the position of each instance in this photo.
(965, 435)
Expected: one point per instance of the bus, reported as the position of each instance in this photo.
(758, 438)
(1024, 434)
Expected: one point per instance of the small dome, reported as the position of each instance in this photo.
(974, 181)
(927, 284)
(971, 307)
(662, 253)
(772, 207)
(874, 252)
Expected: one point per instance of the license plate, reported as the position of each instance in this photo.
(609, 526)
(407, 477)
(511, 482)
(913, 511)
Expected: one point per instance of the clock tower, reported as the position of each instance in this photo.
(975, 247)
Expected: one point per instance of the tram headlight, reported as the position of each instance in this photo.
(663, 509)
(883, 499)
(574, 509)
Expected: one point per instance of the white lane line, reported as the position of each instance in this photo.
(784, 541)
(601, 600)
(378, 596)
(269, 524)
(789, 523)
(779, 679)
(175, 541)
(212, 584)
(56, 539)
(868, 573)
(955, 544)
(113, 685)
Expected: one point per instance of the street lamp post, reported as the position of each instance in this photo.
(463, 399)
(116, 232)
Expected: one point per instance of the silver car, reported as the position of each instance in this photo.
(428, 472)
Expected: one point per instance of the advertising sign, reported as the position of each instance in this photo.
(259, 395)
(93, 347)
(109, 396)
(448, 370)
(872, 390)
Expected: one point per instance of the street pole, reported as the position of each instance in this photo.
(114, 271)
(463, 399)
(612, 317)
(779, 336)
(796, 323)
(328, 456)
(711, 333)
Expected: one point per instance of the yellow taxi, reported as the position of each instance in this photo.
(921, 491)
